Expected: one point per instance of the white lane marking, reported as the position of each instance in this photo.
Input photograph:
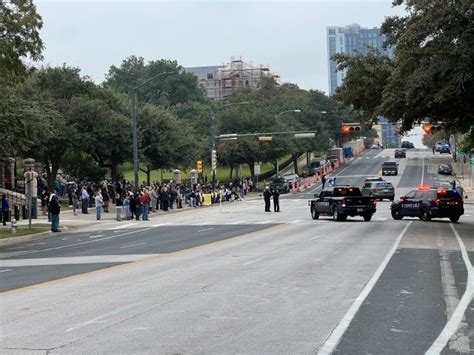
(75, 260)
(96, 236)
(205, 229)
(264, 222)
(82, 243)
(315, 237)
(453, 323)
(236, 222)
(251, 262)
(333, 339)
(94, 320)
(132, 245)
(6, 270)
(295, 221)
(123, 226)
(161, 224)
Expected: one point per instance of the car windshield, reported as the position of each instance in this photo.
(347, 191)
(278, 181)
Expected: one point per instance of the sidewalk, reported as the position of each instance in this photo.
(465, 180)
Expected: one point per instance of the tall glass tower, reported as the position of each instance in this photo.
(351, 39)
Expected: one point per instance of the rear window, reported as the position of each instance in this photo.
(278, 181)
(449, 194)
(390, 163)
(347, 191)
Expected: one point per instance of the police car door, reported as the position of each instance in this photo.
(323, 202)
(409, 206)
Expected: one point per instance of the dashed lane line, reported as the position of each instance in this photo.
(453, 323)
(333, 339)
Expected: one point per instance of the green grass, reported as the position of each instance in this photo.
(222, 172)
(24, 230)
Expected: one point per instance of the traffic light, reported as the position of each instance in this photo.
(431, 128)
(199, 166)
(350, 128)
(214, 159)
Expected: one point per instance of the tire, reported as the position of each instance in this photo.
(396, 215)
(314, 214)
(336, 216)
(454, 219)
(392, 198)
(425, 215)
(367, 217)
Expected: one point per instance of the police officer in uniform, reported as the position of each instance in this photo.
(266, 197)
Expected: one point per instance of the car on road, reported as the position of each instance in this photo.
(339, 202)
(316, 167)
(373, 178)
(407, 145)
(291, 179)
(379, 189)
(390, 168)
(400, 153)
(427, 202)
(445, 149)
(374, 146)
(281, 185)
(445, 169)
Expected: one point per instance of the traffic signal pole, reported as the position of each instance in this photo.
(213, 146)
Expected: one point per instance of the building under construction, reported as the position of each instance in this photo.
(221, 81)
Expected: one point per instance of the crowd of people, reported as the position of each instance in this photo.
(135, 205)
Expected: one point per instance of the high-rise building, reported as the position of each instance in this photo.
(221, 81)
(351, 39)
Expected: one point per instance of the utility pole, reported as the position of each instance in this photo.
(133, 94)
(213, 147)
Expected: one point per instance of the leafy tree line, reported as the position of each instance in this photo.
(430, 78)
(66, 121)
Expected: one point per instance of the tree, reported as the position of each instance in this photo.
(165, 141)
(430, 77)
(19, 37)
(102, 128)
(51, 91)
(166, 90)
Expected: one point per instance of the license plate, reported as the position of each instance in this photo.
(385, 190)
(451, 203)
(360, 210)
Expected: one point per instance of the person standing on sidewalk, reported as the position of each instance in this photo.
(99, 201)
(266, 197)
(126, 207)
(323, 180)
(154, 198)
(138, 206)
(54, 208)
(276, 200)
(118, 206)
(84, 200)
(145, 204)
(75, 201)
(5, 209)
(106, 198)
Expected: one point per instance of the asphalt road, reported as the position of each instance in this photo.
(238, 280)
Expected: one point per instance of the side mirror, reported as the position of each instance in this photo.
(316, 195)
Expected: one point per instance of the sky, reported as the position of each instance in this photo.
(288, 36)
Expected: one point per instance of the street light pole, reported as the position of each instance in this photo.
(133, 97)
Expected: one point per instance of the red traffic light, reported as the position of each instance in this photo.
(430, 129)
(350, 128)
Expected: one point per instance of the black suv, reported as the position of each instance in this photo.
(400, 153)
(389, 168)
(429, 202)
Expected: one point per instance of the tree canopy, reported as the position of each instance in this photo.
(19, 38)
(430, 77)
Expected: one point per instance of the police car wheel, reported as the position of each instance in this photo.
(335, 214)
(314, 214)
(367, 217)
(396, 215)
(425, 215)
(454, 219)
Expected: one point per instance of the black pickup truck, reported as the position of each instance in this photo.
(341, 202)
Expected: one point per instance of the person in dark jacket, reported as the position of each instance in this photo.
(266, 197)
(5, 209)
(133, 206)
(323, 180)
(276, 200)
(55, 209)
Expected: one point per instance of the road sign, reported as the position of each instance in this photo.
(257, 169)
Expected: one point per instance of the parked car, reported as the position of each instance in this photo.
(379, 189)
(445, 169)
(400, 153)
(374, 146)
(407, 145)
(445, 149)
(281, 185)
(291, 178)
(389, 168)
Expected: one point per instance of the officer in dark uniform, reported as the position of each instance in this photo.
(266, 197)
(276, 200)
